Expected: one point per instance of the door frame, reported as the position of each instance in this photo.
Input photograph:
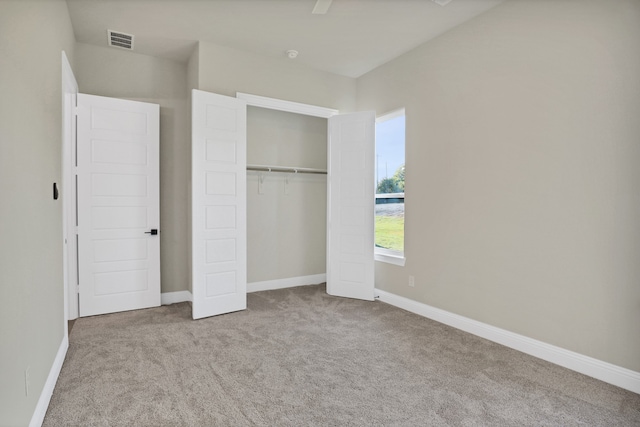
(68, 187)
(309, 110)
(296, 108)
(69, 99)
(288, 106)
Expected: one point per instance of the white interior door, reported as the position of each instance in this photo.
(219, 204)
(350, 206)
(118, 205)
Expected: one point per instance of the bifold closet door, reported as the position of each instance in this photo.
(350, 206)
(219, 204)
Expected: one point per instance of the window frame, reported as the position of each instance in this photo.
(382, 254)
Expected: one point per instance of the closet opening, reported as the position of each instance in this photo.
(304, 226)
(286, 199)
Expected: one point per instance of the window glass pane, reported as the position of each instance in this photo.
(390, 160)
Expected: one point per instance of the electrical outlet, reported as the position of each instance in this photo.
(412, 281)
(26, 381)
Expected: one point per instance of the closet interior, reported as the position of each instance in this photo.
(286, 195)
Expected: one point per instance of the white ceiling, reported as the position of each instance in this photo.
(354, 37)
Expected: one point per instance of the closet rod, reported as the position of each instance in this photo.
(265, 168)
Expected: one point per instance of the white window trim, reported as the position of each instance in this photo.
(390, 257)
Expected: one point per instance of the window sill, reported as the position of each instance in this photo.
(390, 259)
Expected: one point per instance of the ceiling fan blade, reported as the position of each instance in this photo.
(321, 7)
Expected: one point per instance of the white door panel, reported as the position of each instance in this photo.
(350, 206)
(219, 241)
(118, 205)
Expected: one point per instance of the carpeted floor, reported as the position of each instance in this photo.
(298, 357)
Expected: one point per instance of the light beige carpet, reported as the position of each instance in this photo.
(298, 357)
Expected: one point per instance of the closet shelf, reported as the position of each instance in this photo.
(290, 169)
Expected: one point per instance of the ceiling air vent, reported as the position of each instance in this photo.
(120, 39)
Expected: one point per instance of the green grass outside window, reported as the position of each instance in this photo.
(390, 232)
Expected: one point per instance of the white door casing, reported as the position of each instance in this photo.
(350, 206)
(219, 240)
(118, 205)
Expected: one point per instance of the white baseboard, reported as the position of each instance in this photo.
(47, 391)
(604, 371)
(167, 298)
(290, 282)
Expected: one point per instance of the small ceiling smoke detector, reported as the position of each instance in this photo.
(442, 2)
(120, 39)
(292, 54)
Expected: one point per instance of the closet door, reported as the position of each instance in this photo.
(350, 206)
(219, 242)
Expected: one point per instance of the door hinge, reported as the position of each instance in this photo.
(77, 289)
(75, 110)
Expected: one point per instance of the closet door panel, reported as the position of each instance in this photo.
(351, 204)
(219, 278)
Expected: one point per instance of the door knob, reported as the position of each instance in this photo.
(153, 232)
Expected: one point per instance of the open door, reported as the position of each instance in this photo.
(219, 241)
(118, 204)
(350, 206)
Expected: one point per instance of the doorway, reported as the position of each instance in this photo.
(111, 188)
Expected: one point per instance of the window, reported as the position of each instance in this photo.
(390, 168)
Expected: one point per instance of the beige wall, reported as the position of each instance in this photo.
(226, 71)
(523, 185)
(522, 169)
(32, 37)
(120, 74)
(193, 82)
(286, 223)
(193, 69)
